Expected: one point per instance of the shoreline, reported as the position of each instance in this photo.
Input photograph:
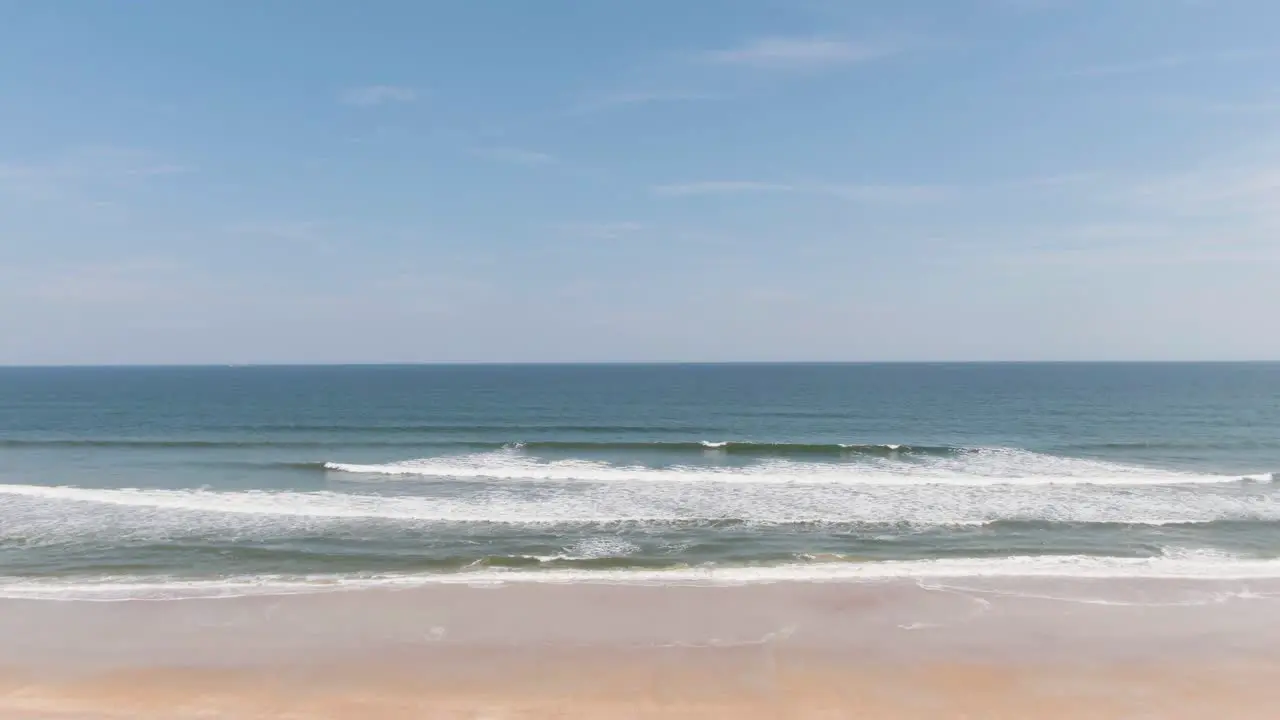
(1186, 566)
(1007, 647)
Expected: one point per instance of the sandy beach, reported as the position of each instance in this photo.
(1048, 648)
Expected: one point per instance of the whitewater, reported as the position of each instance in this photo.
(222, 482)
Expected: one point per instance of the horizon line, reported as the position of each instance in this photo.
(600, 363)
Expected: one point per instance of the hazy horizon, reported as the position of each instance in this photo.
(622, 363)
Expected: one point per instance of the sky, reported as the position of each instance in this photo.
(271, 181)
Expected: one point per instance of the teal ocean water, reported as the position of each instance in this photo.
(164, 482)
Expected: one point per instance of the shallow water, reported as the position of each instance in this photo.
(117, 482)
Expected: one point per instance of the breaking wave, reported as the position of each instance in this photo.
(980, 466)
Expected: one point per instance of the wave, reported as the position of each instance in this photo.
(744, 448)
(1184, 565)
(426, 436)
(37, 514)
(991, 466)
(471, 428)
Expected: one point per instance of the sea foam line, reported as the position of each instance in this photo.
(51, 512)
(1186, 565)
(979, 467)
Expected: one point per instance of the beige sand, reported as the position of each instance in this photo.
(714, 687)
(961, 649)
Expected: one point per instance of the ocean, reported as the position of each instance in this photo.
(124, 482)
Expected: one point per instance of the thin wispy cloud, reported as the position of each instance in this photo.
(638, 99)
(1240, 107)
(157, 170)
(1195, 254)
(1243, 194)
(1172, 62)
(1033, 5)
(516, 156)
(602, 230)
(884, 194)
(645, 98)
(84, 169)
(93, 162)
(687, 78)
(867, 193)
(113, 282)
(719, 187)
(797, 53)
(373, 95)
(304, 231)
(1223, 211)
(1135, 67)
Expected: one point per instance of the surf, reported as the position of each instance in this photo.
(68, 513)
(977, 466)
(1173, 564)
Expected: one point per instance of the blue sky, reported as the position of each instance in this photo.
(270, 181)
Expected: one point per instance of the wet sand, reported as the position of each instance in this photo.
(966, 648)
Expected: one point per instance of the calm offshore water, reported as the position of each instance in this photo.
(124, 482)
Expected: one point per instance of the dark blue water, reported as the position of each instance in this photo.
(137, 481)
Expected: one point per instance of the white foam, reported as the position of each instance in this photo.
(991, 466)
(35, 514)
(252, 502)
(713, 445)
(593, 548)
(1179, 565)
